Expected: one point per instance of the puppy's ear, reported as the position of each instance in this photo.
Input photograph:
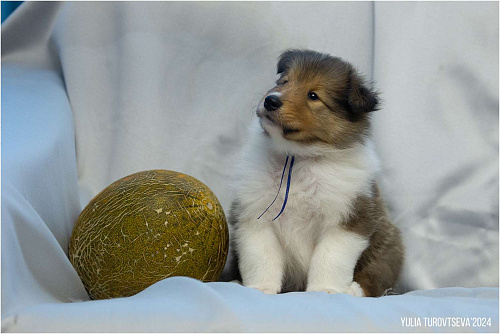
(285, 60)
(360, 98)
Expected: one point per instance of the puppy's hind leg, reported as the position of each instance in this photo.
(231, 272)
(355, 290)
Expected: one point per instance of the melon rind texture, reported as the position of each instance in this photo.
(146, 227)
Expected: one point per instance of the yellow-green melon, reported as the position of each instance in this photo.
(146, 227)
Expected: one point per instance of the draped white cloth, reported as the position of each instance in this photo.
(94, 91)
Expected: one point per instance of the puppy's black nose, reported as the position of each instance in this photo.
(272, 102)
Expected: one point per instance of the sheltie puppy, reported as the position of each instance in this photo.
(329, 230)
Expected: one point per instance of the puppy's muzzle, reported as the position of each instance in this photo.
(272, 103)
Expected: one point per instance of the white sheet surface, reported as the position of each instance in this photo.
(181, 304)
(92, 92)
(40, 200)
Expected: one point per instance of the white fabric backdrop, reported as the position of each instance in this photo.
(174, 85)
(436, 65)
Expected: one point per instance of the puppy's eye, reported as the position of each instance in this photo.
(312, 96)
(282, 82)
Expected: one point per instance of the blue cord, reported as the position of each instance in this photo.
(282, 174)
(287, 187)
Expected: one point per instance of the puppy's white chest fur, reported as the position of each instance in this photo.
(322, 191)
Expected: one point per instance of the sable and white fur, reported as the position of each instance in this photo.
(334, 234)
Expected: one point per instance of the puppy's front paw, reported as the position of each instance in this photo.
(354, 289)
(269, 290)
(328, 289)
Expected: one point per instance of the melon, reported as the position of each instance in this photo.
(146, 227)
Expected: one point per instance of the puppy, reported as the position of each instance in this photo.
(329, 230)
